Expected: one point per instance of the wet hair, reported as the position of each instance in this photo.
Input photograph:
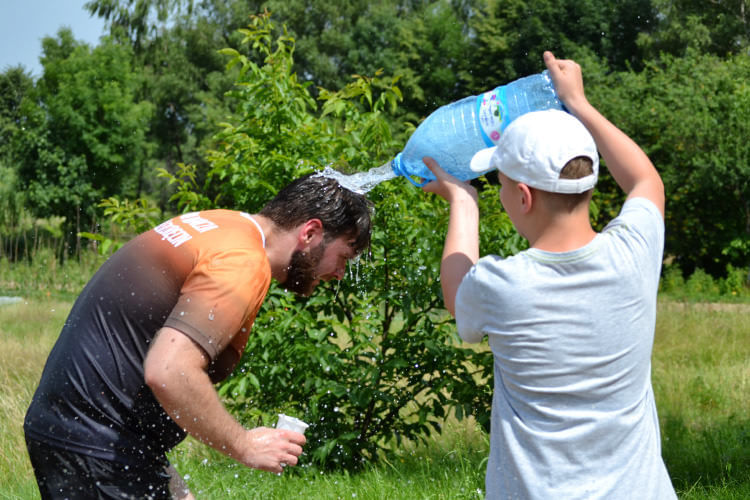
(313, 196)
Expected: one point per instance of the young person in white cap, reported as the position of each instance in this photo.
(570, 320)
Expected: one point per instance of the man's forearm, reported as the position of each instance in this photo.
(175, 371)
(186, 393)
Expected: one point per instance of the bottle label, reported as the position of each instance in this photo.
(491, 113)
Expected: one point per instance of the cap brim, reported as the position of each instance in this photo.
(482, 160)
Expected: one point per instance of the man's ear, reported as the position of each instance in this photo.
(310, 233)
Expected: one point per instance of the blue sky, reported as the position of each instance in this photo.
(23, 24)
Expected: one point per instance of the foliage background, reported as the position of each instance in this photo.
(105, 121)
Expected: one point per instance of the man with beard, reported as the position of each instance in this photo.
(166, 317)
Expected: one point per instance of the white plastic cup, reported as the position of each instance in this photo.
(291, 423)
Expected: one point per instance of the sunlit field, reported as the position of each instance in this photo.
(27, 332)
(701, 373)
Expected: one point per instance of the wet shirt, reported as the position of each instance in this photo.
(205, 274)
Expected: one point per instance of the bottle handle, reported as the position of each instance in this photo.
(418, 184)
(397, 167)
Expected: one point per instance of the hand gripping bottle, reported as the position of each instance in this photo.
(453, 133)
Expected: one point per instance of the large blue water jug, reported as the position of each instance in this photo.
(453, 133)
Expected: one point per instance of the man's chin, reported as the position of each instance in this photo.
(311, 288)
(304, 293)
(297, 289)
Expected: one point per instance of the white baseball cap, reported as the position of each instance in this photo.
(536, 146)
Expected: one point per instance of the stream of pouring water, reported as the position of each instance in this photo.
(361, 182)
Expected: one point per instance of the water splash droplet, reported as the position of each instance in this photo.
(361, 182)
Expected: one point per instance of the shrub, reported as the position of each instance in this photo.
(702, 286)
(736, 282)
(700, 283)
(672, 281)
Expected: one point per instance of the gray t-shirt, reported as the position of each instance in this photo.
(573, 412)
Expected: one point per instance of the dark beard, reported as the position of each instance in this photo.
(301, 273)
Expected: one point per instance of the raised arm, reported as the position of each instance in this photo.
(626, 161)
(175, 370)
(461, 250)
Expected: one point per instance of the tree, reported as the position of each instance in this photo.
(434, 56)
(15, 84)
(423, 42)
(176, 43)
(185, 81)
(426, 43)
(718, 27)
(84, 131)
(690, 115)
(137, 19)
(512, 35)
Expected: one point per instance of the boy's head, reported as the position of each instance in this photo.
(537, 146)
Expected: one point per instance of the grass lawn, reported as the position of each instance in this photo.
(701, 372)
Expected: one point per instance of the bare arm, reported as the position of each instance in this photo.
(461, 250)
(626, 161)
(175, 370)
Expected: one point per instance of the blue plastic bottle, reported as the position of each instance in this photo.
(453, 133)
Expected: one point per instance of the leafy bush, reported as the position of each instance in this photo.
(45, 274)
(700, 283)
(737, 282)
(84, 130)
(672, 279)
(690, 115)
(126, 219)
(702, 286)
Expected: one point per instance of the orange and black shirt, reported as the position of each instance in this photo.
(205, 274)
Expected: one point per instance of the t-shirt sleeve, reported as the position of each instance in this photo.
(641, 228)
(470, 300)
(220, 298)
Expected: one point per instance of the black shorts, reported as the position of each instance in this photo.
(63, 474)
